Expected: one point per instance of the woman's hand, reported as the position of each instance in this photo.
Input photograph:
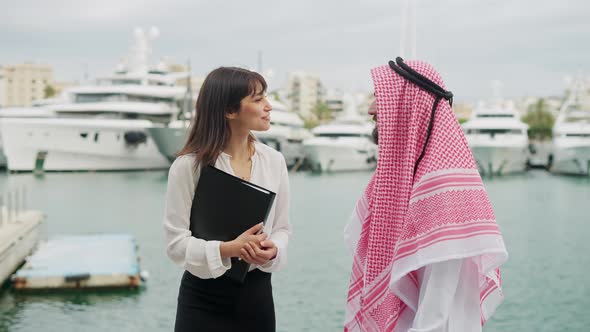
(232, 248)
(259, 253)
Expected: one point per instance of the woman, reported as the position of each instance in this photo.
(231, 103)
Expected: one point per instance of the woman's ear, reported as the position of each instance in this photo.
(231, 115)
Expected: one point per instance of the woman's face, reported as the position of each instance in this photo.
(254, 113)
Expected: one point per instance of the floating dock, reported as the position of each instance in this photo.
(82, 261)
(19, 235)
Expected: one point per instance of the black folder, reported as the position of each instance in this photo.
(225, 206)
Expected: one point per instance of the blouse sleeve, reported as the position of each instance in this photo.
(197, 256)
(281, 229)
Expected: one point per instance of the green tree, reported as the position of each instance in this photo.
(310, 122)
(540, 121)
(49, 91)
(323, 112)
(319, 114)
(275, 96)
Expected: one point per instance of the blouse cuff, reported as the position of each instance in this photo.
(217, 265)
(271, 264)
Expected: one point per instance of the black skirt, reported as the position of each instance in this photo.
(221, 304)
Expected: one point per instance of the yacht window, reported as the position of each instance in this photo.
(494, 131)
(341, 135)
(127, 82)
(84, 135)
(577, 135)
(272, 143)
(577, 108)
(98, 97)
(495, 116)
(158, 83)
(570, 119)
(96, 137)
(101, 97)
(119, 81)
(149, 99)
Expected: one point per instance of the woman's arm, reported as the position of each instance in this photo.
(201, 258)
(281, 229)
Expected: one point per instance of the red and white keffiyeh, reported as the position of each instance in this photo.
(403, 223)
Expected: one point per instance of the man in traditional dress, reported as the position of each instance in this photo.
(426, 247)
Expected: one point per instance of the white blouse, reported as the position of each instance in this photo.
(203, 258)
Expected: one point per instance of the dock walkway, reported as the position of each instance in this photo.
(82, 261)
(19, 235)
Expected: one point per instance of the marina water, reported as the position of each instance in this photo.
(544, 218)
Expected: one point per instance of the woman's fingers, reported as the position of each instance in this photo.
(254, 229)
(248, 259)
(251, 253)
(245, 255)
(267, 244)
(261, 256)
(261, 237)
(248, 246)
(255, 247)
(254, 252)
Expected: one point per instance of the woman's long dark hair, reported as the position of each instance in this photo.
(220, 94)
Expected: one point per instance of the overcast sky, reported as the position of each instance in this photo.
(529, 45)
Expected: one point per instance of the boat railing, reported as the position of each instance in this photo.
(14, 205)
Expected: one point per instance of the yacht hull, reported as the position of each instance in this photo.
(168, 140)
(78, 145)
(333, 156)
(291, 149)
(574, 160)
(2, 156)
(500, 160)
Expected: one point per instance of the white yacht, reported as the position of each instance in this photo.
(344, 144)
(571, 137)
(497, 139)
(101, 126)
